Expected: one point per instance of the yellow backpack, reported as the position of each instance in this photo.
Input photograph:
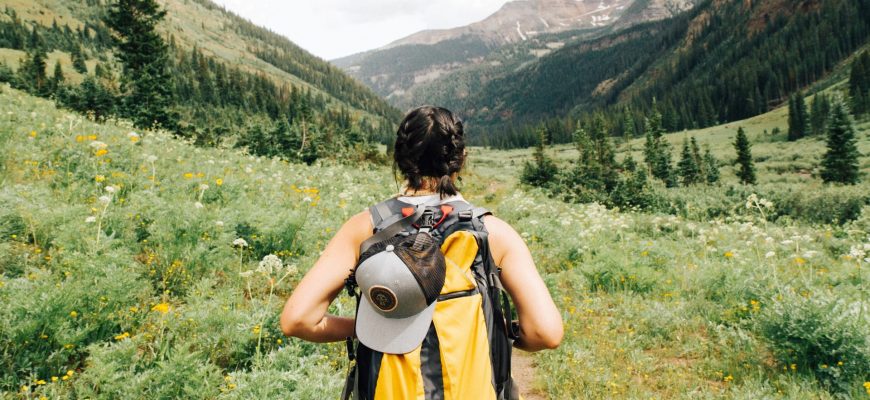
(466, 353)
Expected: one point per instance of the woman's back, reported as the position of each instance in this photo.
(456, 358)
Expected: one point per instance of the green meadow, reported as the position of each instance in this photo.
(131, 266)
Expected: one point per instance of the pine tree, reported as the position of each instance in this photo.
(746, 171)
(820, 109)
(145, 56)
(840, 163)
(541, 171)
(57, 78)
(859, 84)
(657, 151)
(31, 73)
(690, 173)
(78, 60)
(711, 167)
(699, 160)
(797, 117)
(628, 128)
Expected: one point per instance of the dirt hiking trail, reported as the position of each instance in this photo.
(523, 371)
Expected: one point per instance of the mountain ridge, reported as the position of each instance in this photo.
(531, 27)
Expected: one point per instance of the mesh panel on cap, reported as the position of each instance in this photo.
(427, 264)
(422, 254)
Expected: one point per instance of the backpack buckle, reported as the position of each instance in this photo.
(427, 221)
(465, 216)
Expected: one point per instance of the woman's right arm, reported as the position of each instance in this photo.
(540, 321)
(305, 313)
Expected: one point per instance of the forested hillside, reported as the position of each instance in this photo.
(720, 62)
(231, 81)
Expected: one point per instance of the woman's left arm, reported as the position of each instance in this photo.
(304, 314)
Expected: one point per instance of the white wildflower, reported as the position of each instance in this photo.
(203, 186)
(240, 243)
(769, 254)
(151, 158)
(198, 205)
(105, 199)
(857, 252)
(292, 270)
(219, 223)
(110, 189)
(269, 264)
(132, 135)
(96, 144)
(246, 274)
(91, 219)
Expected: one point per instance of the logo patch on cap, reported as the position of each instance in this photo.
(383, 298)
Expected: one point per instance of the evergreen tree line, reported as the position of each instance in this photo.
(812, 121)
(197, 96)
(725, 73)
(597, 176)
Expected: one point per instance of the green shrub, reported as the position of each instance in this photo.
(821, 335)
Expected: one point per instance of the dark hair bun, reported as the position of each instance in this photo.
(430, 143)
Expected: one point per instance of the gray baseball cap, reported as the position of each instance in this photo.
(400, 280)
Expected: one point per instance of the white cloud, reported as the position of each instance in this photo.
(336, 28)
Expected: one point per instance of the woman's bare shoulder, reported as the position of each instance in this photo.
(358, 226)
(502, 237)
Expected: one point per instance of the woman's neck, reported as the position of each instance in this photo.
(418, 192)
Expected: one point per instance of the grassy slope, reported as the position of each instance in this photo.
(655, 306)
(190, 23)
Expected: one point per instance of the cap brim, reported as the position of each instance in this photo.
(391, 335)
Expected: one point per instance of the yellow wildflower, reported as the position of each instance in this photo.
(54, 379)
(99, 178)
(728, 378)
(799, 261)
(729, 254)
(101, 152)
(40, 382)
(188, 175)
(219, 181)
(32, 133)
(73, 314)
(122, 336)
(69, 372)
(80, 138)
(162, 308)
(92, 137)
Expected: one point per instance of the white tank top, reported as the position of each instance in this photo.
(422, 199)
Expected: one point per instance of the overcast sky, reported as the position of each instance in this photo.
(336, 28)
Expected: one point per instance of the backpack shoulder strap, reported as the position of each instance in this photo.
(384, 213)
